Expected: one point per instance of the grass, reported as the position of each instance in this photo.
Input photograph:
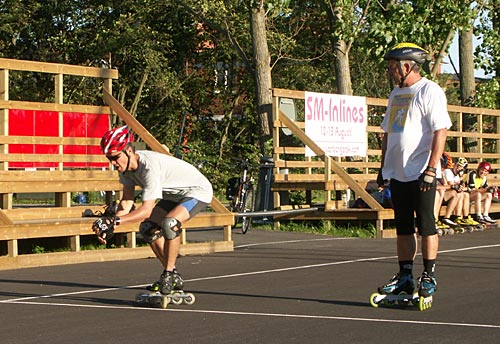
(351, 229)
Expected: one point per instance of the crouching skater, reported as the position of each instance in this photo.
(173, 191)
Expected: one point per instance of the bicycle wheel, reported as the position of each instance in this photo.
(246, 222)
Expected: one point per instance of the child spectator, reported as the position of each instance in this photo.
(454, 176)
(450, 195)
(480, 191)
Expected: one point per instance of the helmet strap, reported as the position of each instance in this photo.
(404, 76)
(128, 159)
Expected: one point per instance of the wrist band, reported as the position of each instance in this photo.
(431, 169)
(117, 220)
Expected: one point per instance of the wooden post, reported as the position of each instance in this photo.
(227, 233)
(75, 243)
(12, 248)
(379, 223)
(131, 240)
(6, 199)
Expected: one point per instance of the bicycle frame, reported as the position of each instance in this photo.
(244, 199)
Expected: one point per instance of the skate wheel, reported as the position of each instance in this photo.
(156, 301)
(176, 299)
(142, 298)
(165, 300)
(424, 303)
(374, 300)
(189, 299)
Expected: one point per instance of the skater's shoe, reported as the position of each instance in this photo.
(489, 219)
(444, 228)
(471, 221)
(439, 230)
(167, 282)
(448, 222)
(480, 219)
(171, 281)
(474, 224)
(155, 286)
(427, 285)
(463, 222)
(178, 281)
(398, 284)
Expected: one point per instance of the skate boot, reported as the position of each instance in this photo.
(456, 227)
(476, 225)
(427, 285)
(397, 292)
(155, 286)
(465, 224)
(439, 229)
(178, 281)
(444, 228)
(480, 219)
(167, 283)
(398, 284)
(489, 220)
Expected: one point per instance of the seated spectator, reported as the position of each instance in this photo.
(454, 177)
(448, 194)
(480, 192)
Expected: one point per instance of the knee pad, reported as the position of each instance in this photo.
(150, 231)
(171, 228)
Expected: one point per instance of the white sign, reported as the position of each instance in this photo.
(336, 123)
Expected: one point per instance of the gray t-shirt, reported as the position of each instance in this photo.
(160, 176)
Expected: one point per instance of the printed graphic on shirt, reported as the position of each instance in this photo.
(399, 112)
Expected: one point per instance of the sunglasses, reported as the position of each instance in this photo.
(114, 157)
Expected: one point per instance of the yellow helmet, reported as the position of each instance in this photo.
(462, 162)
(407, 51)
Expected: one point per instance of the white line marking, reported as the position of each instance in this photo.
(25, 300)
(276, 315)
(290, 241)
(241, 274)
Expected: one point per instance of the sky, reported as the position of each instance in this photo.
(453, 53)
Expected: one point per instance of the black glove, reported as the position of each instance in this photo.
(380, 179)
(427, 179)
(104, 228)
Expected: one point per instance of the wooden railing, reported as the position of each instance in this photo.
(332, 175)
(73, 164)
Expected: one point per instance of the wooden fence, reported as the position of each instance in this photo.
(293, 171)
(61, 175)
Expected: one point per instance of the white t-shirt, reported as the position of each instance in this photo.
(451, 178)
(160, 175)
(413, 115)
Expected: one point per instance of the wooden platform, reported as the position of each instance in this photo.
(74, 165)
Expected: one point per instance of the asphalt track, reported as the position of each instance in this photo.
(275, 287)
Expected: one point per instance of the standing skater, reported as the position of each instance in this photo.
(415, 125)
(182, 192)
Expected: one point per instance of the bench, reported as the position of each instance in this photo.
(294, 171)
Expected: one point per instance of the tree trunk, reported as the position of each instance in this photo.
(466, 55)
(342, 71)
(467, 85)
(263, 81)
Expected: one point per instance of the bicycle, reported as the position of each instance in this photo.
(240, 193)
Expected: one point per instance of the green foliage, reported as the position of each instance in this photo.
(361, 229)
(487, 94)
(168, 54)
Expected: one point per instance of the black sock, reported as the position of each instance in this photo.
(406, 267)
(429, 266)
